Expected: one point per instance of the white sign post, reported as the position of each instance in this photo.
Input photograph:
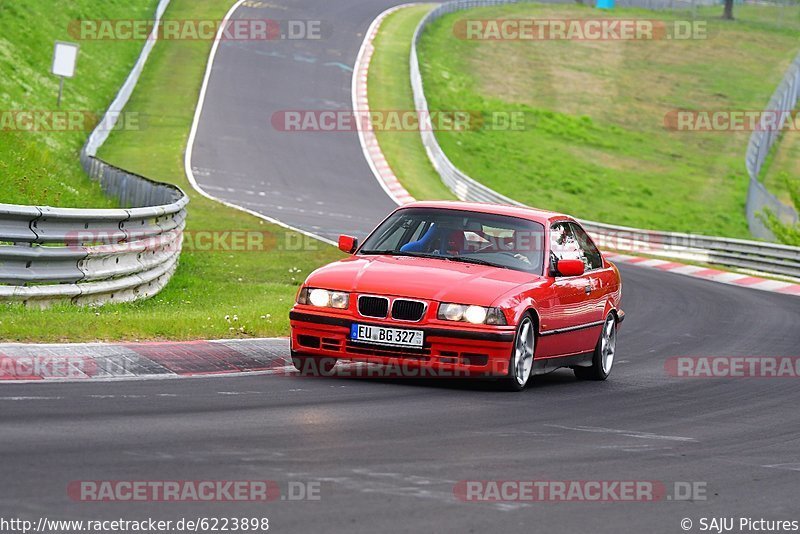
(65, 56)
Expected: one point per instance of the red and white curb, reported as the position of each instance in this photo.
(369, 142)
(705, 273)
(80, 362)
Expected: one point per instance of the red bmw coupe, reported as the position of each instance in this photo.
(467, 289)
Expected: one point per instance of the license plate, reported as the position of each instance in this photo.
(386, 336)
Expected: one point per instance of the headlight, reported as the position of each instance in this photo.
(319, 297)
(322, 298)
(475, 315)
(471, 314)
(339, 300)
(451, 312)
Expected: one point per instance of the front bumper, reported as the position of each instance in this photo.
(447, 351)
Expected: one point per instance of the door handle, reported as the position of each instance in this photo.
(588, 289)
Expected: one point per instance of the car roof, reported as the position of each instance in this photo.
(541, 216)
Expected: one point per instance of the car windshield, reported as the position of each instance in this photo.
(457, 235)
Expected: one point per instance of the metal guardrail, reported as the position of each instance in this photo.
(784, 100)
(95, 256)
(754, 256)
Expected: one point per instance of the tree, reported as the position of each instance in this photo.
(728, 13)
(785, 233)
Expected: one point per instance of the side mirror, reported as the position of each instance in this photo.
(348, 243)
(570, 267)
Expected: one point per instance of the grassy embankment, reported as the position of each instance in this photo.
(42, 167)
(594, 142)
(389, 89)
(216, 293)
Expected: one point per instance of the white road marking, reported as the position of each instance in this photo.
(187, 160)
(354, 93)
(117, 396)
(788, 467)
(29, 398)
(401, 485)
(627, 433)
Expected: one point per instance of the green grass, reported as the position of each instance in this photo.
(594, 144)
(781, 173)
(389, 89)
(253, 289)
(42, 167)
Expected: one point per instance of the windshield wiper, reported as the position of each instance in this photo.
(477, 261)
(387, 252)
(402, 253)
(462, 259)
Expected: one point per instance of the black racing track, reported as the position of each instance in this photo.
(317, 181)
(388, 453)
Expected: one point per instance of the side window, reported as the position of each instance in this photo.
(563, 244)
(591, 256)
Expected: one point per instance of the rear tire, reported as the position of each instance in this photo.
(604, 352)
(520, 365)
(313, 365)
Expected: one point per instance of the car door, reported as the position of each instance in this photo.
(598, 283)
(568, 314)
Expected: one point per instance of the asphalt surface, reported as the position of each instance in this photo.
(388, 454)
(317, 181)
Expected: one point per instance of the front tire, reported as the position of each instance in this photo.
(604, 352)
(520, 364)
(313, 365)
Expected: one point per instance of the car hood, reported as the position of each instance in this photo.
(422, 278)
